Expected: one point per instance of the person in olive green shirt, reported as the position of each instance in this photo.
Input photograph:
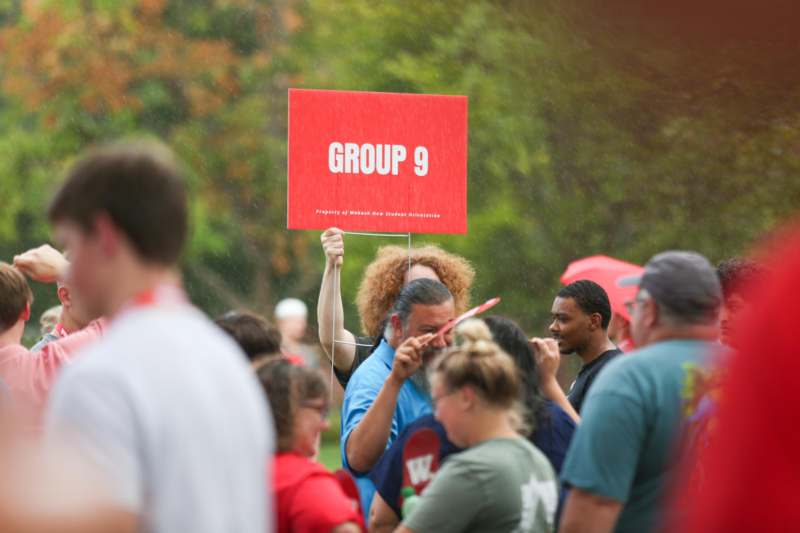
(501, 483)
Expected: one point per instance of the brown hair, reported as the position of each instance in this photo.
(140, 186)
(288, 385)
(475, 360)
(385, 276)
(252, 332)
(15, 294)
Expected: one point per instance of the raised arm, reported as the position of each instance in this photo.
(343, 354)
(32, 375)
(44, 264)
(368, 440)
(548, 359)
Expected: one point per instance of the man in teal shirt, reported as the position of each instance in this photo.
(622, 456)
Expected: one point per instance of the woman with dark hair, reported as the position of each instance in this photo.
(550, 428)
(545, 425)
(308, 498)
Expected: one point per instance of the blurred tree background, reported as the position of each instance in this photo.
(615, 127)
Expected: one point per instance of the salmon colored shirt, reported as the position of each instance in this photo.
(30, 375)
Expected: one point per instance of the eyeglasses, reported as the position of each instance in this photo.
(630, 305)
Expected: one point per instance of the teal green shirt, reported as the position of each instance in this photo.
(630, 424)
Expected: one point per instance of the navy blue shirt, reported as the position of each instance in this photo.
(552, 438)
(553, 434)
(586, 376)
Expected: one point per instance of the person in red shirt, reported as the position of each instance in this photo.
(308, 497)
(750, 463)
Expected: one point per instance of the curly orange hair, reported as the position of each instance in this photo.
(384, 278)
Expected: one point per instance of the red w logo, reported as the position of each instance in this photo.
(419, 469)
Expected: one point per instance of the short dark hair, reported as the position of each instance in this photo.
(287, 386)
(737, 273)
(15, 294)
(140, 186)
(422, 291)
(590, 297)
(253, 333)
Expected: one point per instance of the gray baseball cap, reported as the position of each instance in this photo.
(684, 282)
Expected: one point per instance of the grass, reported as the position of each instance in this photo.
(329, 447)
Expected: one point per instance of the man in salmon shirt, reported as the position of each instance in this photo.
(28, 375)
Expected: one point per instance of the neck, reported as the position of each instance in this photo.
(291, 345)
(489, 424)
(13, 335)
(598, 345)
(68, 323)
(136, 279)
(695, 332)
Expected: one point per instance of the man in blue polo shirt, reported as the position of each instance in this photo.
(390, 389)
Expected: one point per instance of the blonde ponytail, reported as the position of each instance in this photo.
(476, 360)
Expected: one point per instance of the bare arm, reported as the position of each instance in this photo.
(45, 264)
(548, 359)
(343, 355)
(403, 529)
(381, 517)
(586, 512)
(368, 440)
(87, 521)
(76, 499)
(366, 443)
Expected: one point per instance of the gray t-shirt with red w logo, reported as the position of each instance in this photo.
(499, 485)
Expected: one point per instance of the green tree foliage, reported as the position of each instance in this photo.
(594, 127)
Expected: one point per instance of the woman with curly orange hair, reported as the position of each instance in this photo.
(381, 284)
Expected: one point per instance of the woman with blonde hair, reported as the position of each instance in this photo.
(391, 270)
(501, 482)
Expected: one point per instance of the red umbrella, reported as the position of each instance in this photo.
(605, 271)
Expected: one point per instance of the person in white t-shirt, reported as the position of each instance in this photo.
(165, 404)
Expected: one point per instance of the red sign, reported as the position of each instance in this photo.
(384, 162)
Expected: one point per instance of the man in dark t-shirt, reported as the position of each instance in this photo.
(587, 375)
(581, 313)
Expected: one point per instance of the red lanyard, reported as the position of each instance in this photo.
(163, 295)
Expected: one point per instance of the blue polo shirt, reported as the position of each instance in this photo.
(361, 391)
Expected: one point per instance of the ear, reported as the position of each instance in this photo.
(466, 397)
(26, 313)
(107, 234)
(397, 329)
(64, 296)
(595, 321)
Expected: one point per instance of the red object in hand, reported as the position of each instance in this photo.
(420, 459)
(469, 314)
